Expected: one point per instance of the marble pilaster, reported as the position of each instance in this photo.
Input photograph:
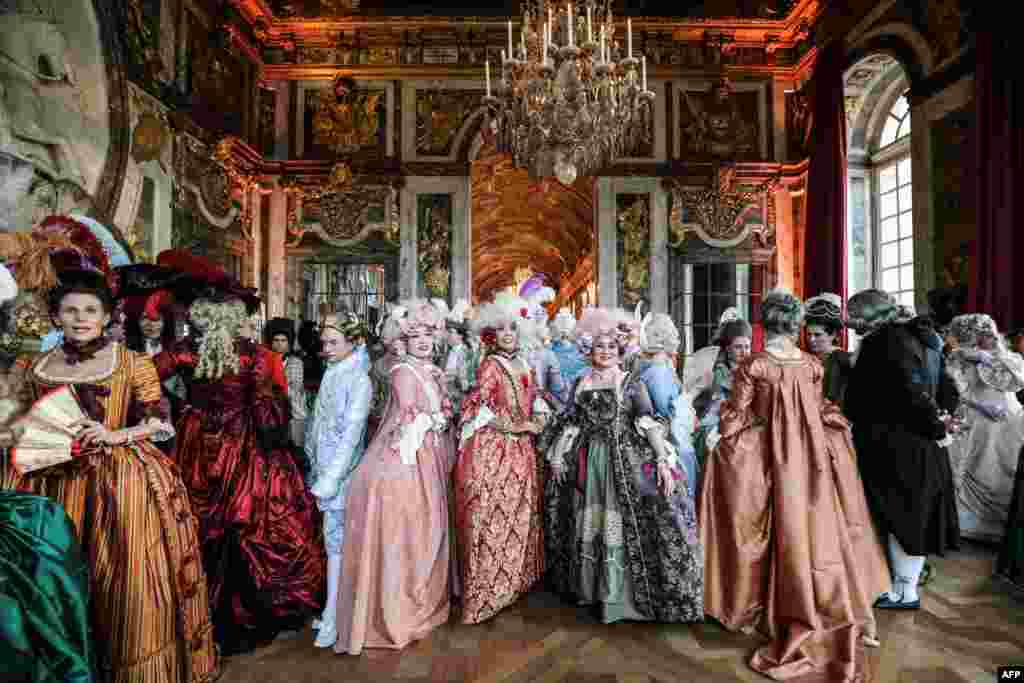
(460, 276)
(277, 232)
(608, 266)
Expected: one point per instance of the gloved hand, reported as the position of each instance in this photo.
(326, 486)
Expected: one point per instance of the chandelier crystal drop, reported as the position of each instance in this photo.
(568, 99)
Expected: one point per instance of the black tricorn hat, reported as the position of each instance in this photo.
(276, 326)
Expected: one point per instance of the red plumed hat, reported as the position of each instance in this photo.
(198, 267)
(157, 304)
(87, 254)
(219, 284)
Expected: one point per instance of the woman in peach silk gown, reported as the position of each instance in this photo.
(394, 586)
(790, 550)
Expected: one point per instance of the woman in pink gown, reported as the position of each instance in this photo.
(395, 574)
(497, 479)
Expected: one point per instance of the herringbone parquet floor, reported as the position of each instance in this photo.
(968, 625)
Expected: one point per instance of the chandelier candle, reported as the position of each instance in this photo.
(568, 107)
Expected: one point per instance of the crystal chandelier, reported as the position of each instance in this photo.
(568, 100)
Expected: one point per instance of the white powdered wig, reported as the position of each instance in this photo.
(508, 307)
(8, 285)
(596, 322)
(564, 322)
(658, 333)
(460, 311)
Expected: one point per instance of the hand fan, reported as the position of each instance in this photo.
(49, 431)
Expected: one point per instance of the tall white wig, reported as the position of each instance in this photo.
(506, 308)
(658, 333)
(422, 317)
(596, 323)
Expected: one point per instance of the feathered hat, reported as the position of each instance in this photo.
(216, 283)
(61, 243)
(152, 306)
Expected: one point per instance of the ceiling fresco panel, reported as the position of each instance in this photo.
(522, 222)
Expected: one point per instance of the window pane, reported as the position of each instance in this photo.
(906, 251)
(905, 198)
(904, 128)
(889, 231)
(890, 255)
(906, 224)
(907, 298)
(900, 107)
(742, 278)
(889, 207)
(887, 179)
(904, 170)
(907, 277)
(892, 126)
(891, 280)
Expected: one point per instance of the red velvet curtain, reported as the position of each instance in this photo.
(825, 235)
(999, 252)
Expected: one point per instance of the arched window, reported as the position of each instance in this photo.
(897, 123)
(894, 218)
(880, 221)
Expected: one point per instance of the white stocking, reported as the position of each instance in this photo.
(906, 570)
(328, 620)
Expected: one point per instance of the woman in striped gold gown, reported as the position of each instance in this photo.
(150, 611)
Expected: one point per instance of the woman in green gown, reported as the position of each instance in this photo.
(44, 594)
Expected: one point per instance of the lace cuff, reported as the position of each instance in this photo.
(412, 436)
(647, 425)
(542, 406)
(483, 417)
(712, 439)
(556, 455)
(164, 430)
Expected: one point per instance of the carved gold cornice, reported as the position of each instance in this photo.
(383, 72)
(392, 31)
(805, 12)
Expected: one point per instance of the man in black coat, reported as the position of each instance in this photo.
(898, 399)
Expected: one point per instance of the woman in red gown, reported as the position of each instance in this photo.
(258, 523)
(498, 484)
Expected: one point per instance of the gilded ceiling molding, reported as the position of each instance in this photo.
(208, 184)
(716, 213)
(349, 207)
(441, 72)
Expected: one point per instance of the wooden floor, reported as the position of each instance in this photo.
(968, 626)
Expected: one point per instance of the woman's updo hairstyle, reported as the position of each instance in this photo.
(782, 313)
(826, 311)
